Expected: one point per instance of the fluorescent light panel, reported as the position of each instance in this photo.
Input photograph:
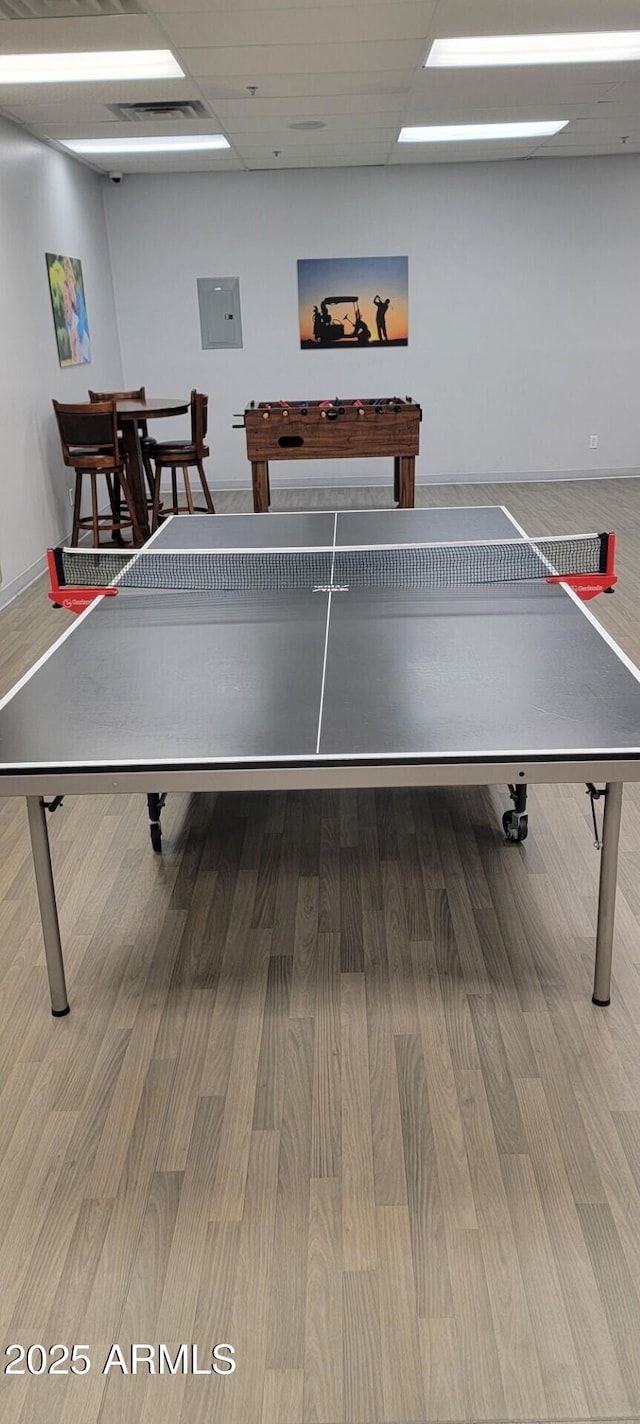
(462, 133)
(86, 68)
(597, 47)
(190, 143)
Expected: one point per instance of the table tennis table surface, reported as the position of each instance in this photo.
(151, 682)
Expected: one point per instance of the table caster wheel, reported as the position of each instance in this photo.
(515, 826)
(156, 836)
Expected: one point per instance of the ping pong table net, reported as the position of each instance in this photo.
(585, 562)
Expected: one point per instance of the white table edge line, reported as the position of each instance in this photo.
(298, 513)
(416, 758)
(579, 602)
(278, 549)
(326, 635)
(59, 641)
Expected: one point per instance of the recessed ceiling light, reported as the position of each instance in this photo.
(597, 47)
(177, 143)
(86, 68)
(460, 133)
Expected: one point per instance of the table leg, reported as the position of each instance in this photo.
(136, 475)
(607, 895)
(37, 813)
(396, 478)
(260, 479)
(407, 481)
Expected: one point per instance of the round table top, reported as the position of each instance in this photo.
(151, 407)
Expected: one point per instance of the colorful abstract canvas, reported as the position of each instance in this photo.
(69, 309)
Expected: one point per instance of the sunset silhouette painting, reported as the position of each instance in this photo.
(353, 302)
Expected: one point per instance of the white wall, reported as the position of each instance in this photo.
(524, 313)
(48, 203)
(524, 305)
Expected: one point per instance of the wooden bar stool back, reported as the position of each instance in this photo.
(147, 441)
(184, 455)
(89, 440)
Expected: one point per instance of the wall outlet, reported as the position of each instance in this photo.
(593, 442)
(70, 494)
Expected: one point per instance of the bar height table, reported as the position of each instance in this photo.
(130, 413)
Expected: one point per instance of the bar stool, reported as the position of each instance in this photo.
(182, 455)
(89, 440)
(147, 441)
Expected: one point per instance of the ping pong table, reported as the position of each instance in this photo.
(302, 669)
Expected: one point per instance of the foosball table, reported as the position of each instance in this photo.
(333, 430)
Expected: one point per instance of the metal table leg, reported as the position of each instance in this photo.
(515, 824)
(155, 803)
(607, 895)
(48, 910)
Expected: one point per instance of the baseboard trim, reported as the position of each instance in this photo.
(11, 590)
(531, 477)
(357, 481)
(31, 575)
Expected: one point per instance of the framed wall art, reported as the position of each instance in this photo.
(353, 302)
(70, 319)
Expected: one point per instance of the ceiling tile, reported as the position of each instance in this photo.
(342, 160)
(315, 143)
(36, 97)
(170, 163)
(228, 28)
(356, 68)
(479, 87)
(503, 17)
(355, 124)
(303, 59)
(108, 127)
(71, 35)
(309, 106)
(161, 7)
(235, 86)
(460, 153)
(596, 150)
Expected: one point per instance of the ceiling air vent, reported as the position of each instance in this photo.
(166, 109)
(66, 9)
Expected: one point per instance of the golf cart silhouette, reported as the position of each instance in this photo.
(326, 330)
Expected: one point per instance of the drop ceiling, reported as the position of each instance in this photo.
(259, 70)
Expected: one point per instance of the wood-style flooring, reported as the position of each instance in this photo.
(332, 1089)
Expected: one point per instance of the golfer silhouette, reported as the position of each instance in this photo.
(381, 316)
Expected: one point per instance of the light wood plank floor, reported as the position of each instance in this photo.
(332, 1088)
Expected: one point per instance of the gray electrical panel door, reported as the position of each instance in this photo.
(219, 303)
